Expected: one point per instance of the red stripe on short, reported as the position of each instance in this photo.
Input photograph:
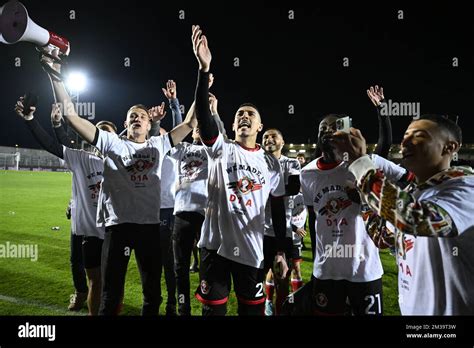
(251, 302)
(211, 302)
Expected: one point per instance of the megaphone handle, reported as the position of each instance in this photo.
(53, 73)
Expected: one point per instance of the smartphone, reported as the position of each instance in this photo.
(30, 99)
(343, 124)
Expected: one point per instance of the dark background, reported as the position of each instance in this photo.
(282, 61)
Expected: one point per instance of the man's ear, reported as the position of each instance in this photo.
(125, 124)
(451, 147)
(260, 127)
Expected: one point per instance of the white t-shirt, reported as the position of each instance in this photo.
(87, 170)
(289, 167)
(299, 213)
(168, 182)
(436, 275)
(240, 182)
(132, 179)
(191, 190)
(344, 250)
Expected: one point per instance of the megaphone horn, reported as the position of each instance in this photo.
(16, 26)
(2, 40)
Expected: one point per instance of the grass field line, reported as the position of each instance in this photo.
(52, 308)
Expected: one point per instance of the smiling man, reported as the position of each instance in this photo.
(434, 235)
(242, 177)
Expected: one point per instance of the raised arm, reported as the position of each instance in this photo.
(46, 141)
(384, 141)
(171, 93)
(157, 113)
(207, 124)
(213, 106)
(82, 126)
(59, 131)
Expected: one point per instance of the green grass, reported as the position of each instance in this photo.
(33, 202)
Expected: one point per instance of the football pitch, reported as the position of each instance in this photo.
(32, 203)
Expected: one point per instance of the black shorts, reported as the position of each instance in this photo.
(340, 297)
(270, 250)
(92, 251)
(215, 273)
(296, 253)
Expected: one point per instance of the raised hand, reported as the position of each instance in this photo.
(56, 115)
(375, 95)
(213, 104)
(19, 109)
(201, 49)
(157, 113)
(170, 90)
(51, 64)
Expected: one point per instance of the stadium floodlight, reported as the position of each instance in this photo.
(76, 82)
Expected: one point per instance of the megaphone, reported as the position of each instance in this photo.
(16, 26)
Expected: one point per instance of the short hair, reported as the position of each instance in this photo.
(301, 155)
(249, 104)
(276, 130)
(107, 123)
(446, 124)
(139, 106)
(319, 120)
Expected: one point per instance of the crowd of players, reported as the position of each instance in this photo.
(246, 206)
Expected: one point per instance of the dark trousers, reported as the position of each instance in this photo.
(167, 258)
(77, 265)
(119, 242)
(187, 229)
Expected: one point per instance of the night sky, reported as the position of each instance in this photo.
(283, 62)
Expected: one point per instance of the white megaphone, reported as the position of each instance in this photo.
(16, 26)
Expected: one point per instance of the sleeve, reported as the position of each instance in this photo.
(176, 112)
(277, 181)
(61, 135)
(176, 151)
(155, 129)
(71, 157)
(106, 141)
(456, 198)
(207, 123)
(46, 141)
(218, 148)
(305, 190)
(385, 134)
(294, 168)
(162, 143)
(401, 208)
(299, 213)
(391, 170)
